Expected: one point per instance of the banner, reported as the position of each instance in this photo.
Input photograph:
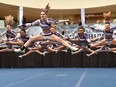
(69, 30)
(2, 24)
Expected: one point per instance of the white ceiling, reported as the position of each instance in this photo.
(60, 4)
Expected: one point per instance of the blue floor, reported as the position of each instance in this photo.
(58, 77)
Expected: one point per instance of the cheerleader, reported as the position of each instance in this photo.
(39, 47)
(45, 23)
(108, 32)
(82, 40)
(11, 35)
(56, 45)
(108, 39)
(24, 37)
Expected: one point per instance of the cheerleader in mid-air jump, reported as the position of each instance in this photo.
(11, 36)
(39, 47)
(108, 32)
(82, 40)
(108, 38)
(45, 23)
(56, 45)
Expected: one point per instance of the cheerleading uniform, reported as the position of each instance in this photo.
(24, 38)
(107, 33)
(82, 39)
(11, 36)
(45, 25)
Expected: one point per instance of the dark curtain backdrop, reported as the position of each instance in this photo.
(60, 59)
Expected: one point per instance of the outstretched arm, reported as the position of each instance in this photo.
(3, 34)
(101, 30)
(29, 24)
(113, 28)
(52, 21)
